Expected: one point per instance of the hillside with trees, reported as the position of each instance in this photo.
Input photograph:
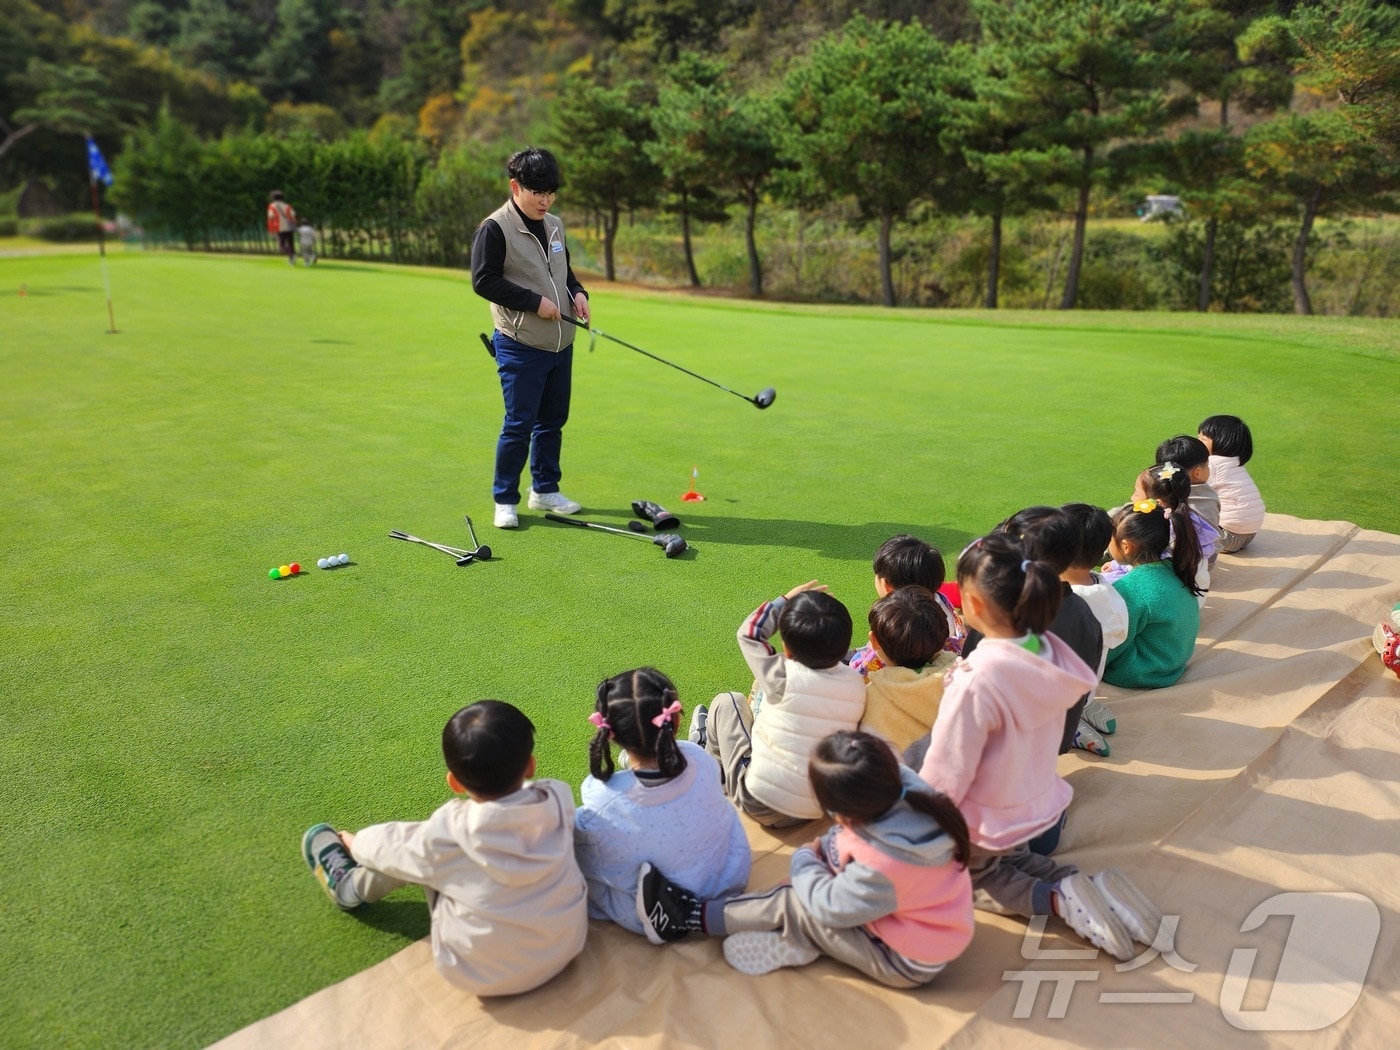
(967, 152)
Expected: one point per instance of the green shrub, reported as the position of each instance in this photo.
(63, 229)
(9, 226)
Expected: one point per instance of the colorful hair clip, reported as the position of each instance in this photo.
(667, 713)
(1168, 470)
(598, 720)
(1147, 506)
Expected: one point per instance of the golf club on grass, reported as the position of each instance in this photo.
(481, 551)
(762, 399)
(463, 557)
(672, 544)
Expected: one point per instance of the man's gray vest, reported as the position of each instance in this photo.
(532, 267)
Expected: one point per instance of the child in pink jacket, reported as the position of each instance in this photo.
(995, 747)
(884, 891)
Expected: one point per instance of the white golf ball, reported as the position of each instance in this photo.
(344, 559)
(323, 563)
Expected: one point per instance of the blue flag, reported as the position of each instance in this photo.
(97, 164)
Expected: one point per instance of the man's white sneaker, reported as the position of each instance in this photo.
(505, 516)
(555, 501)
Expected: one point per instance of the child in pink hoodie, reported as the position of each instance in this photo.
(884, 891)
(995, 745)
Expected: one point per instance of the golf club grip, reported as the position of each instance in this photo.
(567, 521)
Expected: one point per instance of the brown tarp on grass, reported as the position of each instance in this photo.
(1257, 800)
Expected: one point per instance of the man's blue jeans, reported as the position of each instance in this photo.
(536, 385)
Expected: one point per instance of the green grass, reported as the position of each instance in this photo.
(174, 719)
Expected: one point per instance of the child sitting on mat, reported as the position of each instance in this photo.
(908, 631)
(907, 561)
(666, 806)
(1192, 456)
(884, 891)
(508, 905)
(1160, 593)
(994, 750)
(1241, 507)
(808, 693)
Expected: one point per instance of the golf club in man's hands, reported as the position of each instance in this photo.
(762, 399)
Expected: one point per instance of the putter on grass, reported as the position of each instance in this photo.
(463, 557)
(480, 551)
(762, 399)
(672, 544)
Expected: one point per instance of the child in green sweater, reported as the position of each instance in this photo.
(1163, 616)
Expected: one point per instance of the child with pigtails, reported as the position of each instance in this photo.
(666, 807)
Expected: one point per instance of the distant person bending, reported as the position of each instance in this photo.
(521, 265)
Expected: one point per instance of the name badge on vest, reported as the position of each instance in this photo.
(555, 246)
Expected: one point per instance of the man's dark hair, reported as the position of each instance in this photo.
(1185, 451)
(535, 169)
(487, 746)
(907, 561)
(816, 628)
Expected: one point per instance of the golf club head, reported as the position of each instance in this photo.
(465, 559)
(673, 545)
(482, 553)
(765, 397)
(636, 526)
(658, 515)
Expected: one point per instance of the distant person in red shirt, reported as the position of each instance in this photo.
(282, 220)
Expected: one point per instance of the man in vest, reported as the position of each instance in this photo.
(521, 265)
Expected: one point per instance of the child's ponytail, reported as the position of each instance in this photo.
(947, 816)
(1025, 591)
(1170, 485)
(855, 775)
(1186, 549)
(640, 710)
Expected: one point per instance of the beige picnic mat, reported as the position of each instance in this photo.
(1257, 800)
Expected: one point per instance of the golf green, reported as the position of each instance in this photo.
(174, 719)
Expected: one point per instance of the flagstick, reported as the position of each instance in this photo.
(102, 252)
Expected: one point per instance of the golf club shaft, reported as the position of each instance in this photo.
(594, 525)
(647, 353)
(454, 551)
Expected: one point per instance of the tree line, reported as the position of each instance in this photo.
(1250, 111)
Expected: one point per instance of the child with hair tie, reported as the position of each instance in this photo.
(994, 749)
(884, 891)
(1160, 593)
(667, 806)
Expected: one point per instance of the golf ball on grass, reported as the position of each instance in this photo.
(323, 563)
(343, 559)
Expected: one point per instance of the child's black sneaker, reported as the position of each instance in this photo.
(331, 863)
(667, 911)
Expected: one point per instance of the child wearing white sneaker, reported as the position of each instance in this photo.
(885, 890)
(667, 806)
(994, 749)
(508, 904)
